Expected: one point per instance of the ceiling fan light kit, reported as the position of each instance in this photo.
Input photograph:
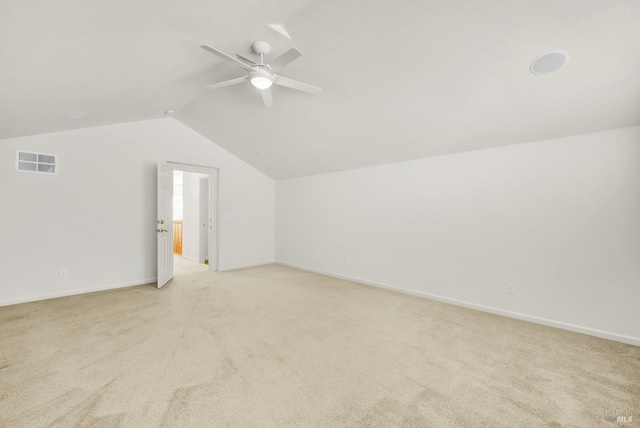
(261, 79)
(262, 75)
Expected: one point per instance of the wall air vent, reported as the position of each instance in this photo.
(36, 162)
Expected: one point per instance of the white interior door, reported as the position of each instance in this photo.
(164, 226)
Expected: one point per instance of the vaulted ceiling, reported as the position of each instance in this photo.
(401, 79)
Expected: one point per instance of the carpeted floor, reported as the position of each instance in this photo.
(276, 347)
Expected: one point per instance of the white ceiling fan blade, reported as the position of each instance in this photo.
(280, 30)
(284, 59)
(227, 83)
(294, 84)
(266, 97)
(227, 57)
(247, 60)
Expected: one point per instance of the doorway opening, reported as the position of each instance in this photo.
(195, 205)
(191, 216)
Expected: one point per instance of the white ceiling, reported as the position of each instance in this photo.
(401, 79)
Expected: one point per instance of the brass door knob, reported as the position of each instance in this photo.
(161, 230)
(160, 221)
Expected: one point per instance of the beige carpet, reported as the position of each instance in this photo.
(277, 347)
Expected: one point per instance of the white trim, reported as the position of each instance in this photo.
(227, 268)
(75, 292)
(204, 169)
(510, 314)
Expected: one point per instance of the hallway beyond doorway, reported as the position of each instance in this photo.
(184, 266)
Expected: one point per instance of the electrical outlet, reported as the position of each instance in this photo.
(511, 288)
(63, 273)
(361, 263)
(347, 261)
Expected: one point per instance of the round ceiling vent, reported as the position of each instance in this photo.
(549, 62)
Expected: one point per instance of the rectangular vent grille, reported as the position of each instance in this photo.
(36, 162)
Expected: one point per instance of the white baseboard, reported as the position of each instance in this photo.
(517, 315)
(234, 267)
(75, 292)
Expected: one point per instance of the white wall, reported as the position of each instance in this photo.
(191, 215)
(97, 217)
(559, 218)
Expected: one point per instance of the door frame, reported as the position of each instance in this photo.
(204, 219)
(214, 185)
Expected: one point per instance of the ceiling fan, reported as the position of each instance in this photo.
(262, 75)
